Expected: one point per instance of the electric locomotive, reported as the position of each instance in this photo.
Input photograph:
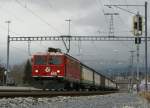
(57, 70)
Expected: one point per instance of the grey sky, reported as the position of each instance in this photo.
(47, 17)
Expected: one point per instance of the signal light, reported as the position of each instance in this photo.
(140, 23)
(137, 40)
(137, 25)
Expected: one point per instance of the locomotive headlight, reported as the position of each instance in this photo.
(36, 71)
(58, 71)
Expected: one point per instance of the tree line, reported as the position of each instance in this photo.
(20, 74)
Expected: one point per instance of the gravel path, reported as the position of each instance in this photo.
(118, 100)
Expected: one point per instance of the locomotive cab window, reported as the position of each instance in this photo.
(40, 60)
(55, 60)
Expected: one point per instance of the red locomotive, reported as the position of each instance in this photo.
(55, 69)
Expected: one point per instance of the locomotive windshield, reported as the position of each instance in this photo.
(56, 60)
(40, 60)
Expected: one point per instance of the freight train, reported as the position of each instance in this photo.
(57, 70)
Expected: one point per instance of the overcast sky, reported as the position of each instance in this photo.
(47, 17)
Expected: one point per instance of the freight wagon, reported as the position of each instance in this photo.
(57, 70)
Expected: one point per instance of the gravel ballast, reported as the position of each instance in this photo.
(117, 100)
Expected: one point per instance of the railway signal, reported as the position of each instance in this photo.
(137, 32)
(145, 27)
(137, 25)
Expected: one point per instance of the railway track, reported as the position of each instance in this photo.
(40, 93)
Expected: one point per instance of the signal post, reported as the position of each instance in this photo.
(138, 39)
(137, 32)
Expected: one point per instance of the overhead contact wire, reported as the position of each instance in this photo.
(40, 18)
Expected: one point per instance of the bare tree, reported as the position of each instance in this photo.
(17, 73)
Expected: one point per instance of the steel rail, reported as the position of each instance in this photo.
(53, 93)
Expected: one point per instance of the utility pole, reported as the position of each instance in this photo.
(116, 52)
(69, 20)
(137, 32)
(132, 71)
(111, 24)
(8, 44)
(146, 73)
(138, 68)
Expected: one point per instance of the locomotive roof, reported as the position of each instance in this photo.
(49, 53)
(55, 53)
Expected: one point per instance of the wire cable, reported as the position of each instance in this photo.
(103, 11)
(39, 17)
(125, 10)
(10, 13)
(6, 29)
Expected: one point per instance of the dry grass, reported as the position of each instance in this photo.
(145, 95)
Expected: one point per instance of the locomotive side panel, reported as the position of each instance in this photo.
(86, 75)
(72, 69)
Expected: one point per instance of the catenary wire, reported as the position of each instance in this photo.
(39, 17)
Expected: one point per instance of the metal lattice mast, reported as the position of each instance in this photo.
(69, 35)
(75, 38)
(111, 24)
